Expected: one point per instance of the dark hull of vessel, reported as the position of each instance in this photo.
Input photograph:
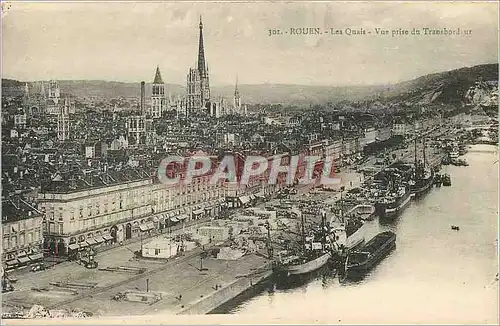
(422, 187)
(393, 209)
(304, 268)
(283, 282)
(377, 248)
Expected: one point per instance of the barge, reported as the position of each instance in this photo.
(361, 261)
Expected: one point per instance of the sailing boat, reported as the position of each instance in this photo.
(350, 233)
(423, 177)
(312, 255)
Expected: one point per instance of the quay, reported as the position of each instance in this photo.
(185, 285)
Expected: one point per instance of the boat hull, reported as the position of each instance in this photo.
(308, 267)
(356, 244)
(359, 271)
(419, 192)
(375, 256)
(392, 211)
(302, 269)
(364, 212)
(356, 239)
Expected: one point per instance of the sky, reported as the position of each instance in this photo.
(125, 41)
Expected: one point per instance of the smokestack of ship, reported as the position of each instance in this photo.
(143, 96)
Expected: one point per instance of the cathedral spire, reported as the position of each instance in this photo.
(158, 79)
(236, 91)
(201, 52)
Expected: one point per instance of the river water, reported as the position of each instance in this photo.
(435, 275)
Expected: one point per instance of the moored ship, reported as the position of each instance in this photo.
(349, 237)
(424, 178)
(364, 212)
(296, 265)
(462, 149)
(361, 261)
(313, 254)
(394, 203)
(453, 154)
(446, 180)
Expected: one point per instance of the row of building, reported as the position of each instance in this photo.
(73, 180)
(113, 204)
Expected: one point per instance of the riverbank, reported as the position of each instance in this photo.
(179, 286)
(433, 269)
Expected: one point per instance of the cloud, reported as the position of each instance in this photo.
(126, 41)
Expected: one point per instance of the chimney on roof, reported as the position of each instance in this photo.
(143, 96)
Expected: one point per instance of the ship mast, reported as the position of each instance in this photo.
(303, 231)
(269, 243)
(423, 141)
(342, 205)
(323, 228)
(415, 151)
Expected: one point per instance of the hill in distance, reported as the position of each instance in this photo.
(444, 87)
(448, 87)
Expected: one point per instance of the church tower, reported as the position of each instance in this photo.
(53, 98)
(26, 96)
(63, 123)
(203, 69)
(158, 95)
(54, 92)
(236, 99)
(26, 91)
(42, 92)
(198, 84)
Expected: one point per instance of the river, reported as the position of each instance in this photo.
(435, 275)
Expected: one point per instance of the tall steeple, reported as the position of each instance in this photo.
(236, 99)
(158, 79)
(198, 83)
(158, 95)
(201, 52)
(236, 91)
